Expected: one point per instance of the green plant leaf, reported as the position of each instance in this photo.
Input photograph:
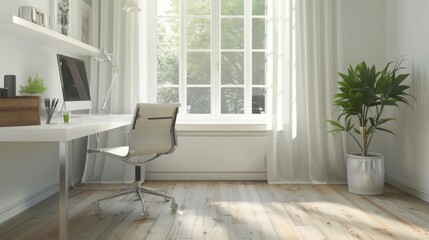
(33, 85)
(336, 124)
(363, 95)
(385, 120)
(385, 130)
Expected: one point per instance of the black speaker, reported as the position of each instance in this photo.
(3, 92)
(10, 84)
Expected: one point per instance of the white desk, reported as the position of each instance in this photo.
(80, 126)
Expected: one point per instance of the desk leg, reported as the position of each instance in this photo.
(63, 154)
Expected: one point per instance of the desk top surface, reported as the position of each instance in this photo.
(80, 126)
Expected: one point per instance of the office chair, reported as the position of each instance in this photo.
(152, 134)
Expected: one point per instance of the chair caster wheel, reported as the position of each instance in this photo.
(144, 215)
(174, 206)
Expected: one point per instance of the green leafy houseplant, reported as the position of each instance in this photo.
(364, 94)
(33, 86)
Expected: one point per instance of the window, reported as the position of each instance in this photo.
(211, 56)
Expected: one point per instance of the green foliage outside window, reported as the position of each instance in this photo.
(199, 56)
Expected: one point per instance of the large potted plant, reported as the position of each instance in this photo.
(363, 96)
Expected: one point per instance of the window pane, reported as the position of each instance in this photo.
(198, 68)
(258, 68)
(258, 33)
(232, 7)
(258, 7)
(186, 51)
(168, 68)
(198, 7)
(258, 100)
(199, 33)
(232, 68)
(232, 33)
(198, 100)
(168, 33)
(167, 95)
(167, 7)
(232, 100)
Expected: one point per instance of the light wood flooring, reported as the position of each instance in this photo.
(231, 210)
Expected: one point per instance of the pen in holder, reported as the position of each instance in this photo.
(50, 106)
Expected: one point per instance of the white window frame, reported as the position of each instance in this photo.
(215, 116)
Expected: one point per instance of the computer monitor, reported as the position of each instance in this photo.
(74, 83)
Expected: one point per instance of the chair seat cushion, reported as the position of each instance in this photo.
(120, 152)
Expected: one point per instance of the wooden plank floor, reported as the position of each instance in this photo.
(231, 210)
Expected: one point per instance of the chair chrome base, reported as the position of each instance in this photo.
(138, 190)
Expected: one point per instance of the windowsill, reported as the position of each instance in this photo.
(221, 127)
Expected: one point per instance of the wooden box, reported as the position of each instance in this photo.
(20, 111)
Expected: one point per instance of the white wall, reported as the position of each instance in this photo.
(362, 32)
(213, 156)
(379, 31)
(407, 34)
(362, 39)
(29, 171)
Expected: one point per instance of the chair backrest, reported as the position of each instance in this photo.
(153, 129)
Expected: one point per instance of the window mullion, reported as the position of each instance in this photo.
(247, 57)
(215, 84)
(182, 54)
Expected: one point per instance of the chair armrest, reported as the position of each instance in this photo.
(114, 135)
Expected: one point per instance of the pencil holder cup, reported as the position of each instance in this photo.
(49, 112)
(50, 117)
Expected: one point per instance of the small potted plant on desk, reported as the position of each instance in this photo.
(34, 86)
(364, 94)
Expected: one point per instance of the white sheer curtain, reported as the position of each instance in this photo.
(305, 60)
(118, 34)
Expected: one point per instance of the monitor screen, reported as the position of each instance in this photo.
(74, 83)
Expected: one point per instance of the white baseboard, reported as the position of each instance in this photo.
(20, 206)
(407, 188)
(206, 176)
(308, 183)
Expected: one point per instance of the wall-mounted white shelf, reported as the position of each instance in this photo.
(33, 32)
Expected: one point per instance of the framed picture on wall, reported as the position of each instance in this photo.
(61, 16)
(83, 21)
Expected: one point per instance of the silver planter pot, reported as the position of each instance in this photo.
(365, 174)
